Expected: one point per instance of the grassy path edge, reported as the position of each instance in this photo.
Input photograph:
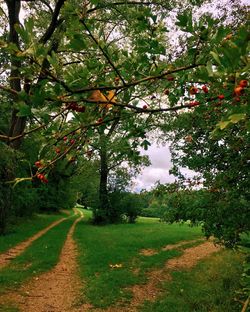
(15, 251)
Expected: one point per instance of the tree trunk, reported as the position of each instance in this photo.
(17, 124)
(102, 213)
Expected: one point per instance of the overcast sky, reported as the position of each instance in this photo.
(160, 158)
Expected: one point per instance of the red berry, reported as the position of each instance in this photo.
(243, 83)
(57, 150)
(72, 141)
(38, 164)
(40, 176)
(170, 78)
(205, 89)
(193, 90)
(221, 96)
(65, 139)
(100, 120)
(81, 109)
(238, 90)
(145, 107)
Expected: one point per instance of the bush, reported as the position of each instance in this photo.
(127, 206)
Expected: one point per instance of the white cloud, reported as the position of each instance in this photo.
(160, 158)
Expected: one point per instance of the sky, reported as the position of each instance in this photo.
(160, 158)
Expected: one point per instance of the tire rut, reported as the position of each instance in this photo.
(151, 290)
(13, 252)
(53, 291)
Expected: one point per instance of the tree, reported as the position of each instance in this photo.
(50, 73)
(212, 138)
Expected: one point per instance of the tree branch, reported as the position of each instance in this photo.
(9, 90)
(103, 6)
(103, 52)
(137, 82)
(54, 22)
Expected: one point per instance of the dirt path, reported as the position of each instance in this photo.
(12, 253)
(151, 252)
(53, 291)
(151, 290)
(187, 260)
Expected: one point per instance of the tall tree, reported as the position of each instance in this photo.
(65, 50)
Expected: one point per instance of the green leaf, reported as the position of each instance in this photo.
(145, 144)
(209, 68)
(223, 124)
(24, 109)
(77, 43)
(23, 33)
(183, 20)
(237, 117)
(216, 57)
(3, 44)
(53, 60)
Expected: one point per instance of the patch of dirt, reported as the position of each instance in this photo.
(151, 252)
(191, 256)
(148, 252)
(189, 259)
(180, 244)
(67, 212)
(53, 291)
(151, 290)
(12, 253)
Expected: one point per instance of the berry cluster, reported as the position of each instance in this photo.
(239, 89)
(77, 108)
(42, 178)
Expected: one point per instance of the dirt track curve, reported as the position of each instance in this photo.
(150, 291)
(58, 289)
(12, 253)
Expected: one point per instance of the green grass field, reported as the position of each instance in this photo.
(120, 244)
(209, 286)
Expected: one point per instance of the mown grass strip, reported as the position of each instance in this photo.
(26, 228)
(210, 286)
(100, 247)
(41, 256)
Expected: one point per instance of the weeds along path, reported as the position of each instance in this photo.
(151, 290)
(53, 291)
(13, 252)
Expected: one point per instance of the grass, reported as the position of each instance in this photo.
(120, 244)
(209, 287)
(25, 229)
(8, 308)
(41, 256)
(205, 288)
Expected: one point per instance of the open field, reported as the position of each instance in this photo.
(147, 266)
